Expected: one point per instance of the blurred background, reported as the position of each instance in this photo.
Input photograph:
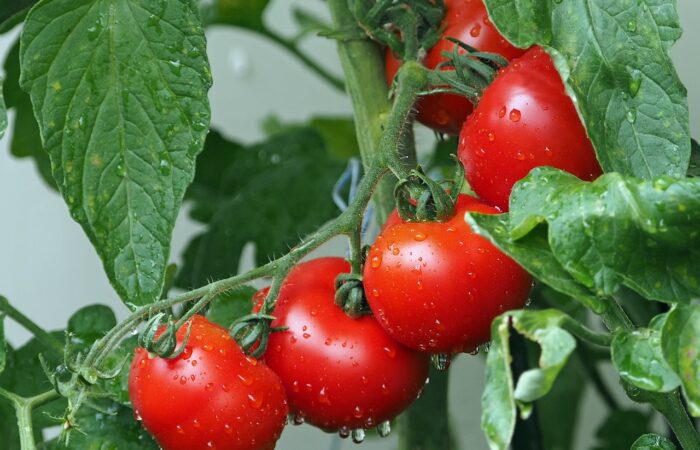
(48, 269)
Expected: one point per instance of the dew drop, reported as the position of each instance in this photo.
(632, 26)
(475, 31)
(228, 429)
(209, 387)
(137, 415)
(491, 136)
(631, 116)
(183, 379)
(385, 389)
(343, 432)
(179, 429)
(306, 335)
(419, 236)
(502, 112)
(520, 156)
(441, 361)
(323, 397)
(376, 261)
(196, 424)
(375, 293)
(224, 388)
(384, 429)
(515, 115)
(245, 380)
(255, 401)
(207, 347)
(358, 435)
(390, 351)
(358, 413)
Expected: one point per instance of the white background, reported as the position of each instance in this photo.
(48, 268)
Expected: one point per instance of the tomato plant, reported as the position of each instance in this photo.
(586, 201)
(468, 22)
(339, 373)
(524, 120)
(437, 286)
(217, 396)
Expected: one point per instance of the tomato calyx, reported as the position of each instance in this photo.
(465, 71)
(409, 29)
(350, 295)
(422, 199)
(252, 332)
(162, 342)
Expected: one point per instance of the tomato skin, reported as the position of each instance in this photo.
(338, 372)
(467, 21)
(524, 120)
(436, 287)
(211, 396)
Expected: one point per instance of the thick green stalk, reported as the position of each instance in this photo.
(363, 65)
(425, 425)
(23, 409)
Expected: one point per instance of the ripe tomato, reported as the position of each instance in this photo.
(211, 396)
(467, 21)
(339, 373)
(524, 120)
(436, 287)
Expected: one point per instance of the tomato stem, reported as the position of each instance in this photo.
(23, 409)
(39, 333)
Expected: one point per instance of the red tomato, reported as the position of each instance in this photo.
(436, 287)
(467, 21)
(524, 120)
(211, 396)
(339, 373)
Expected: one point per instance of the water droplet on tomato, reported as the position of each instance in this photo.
(475, 31)
(228, 429)
(358, 435)
(306, 335)
(520, 156)
(224, 388)
(390, 351)
(441, 361)
(183, 379)
(209, 387)
(376, 261)
(137, 415)
(247, 380)
(179, 429)
(358, 413)
(491, 136)
(343, 432)
(384, 429)
(515, 115)
(323, 397)
(419, 236)
(196, 424)
(256, 401)
(207, 347)
(502, 112)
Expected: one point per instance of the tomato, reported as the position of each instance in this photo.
(339, 373)
(524, 120)
(211, 396)
(467, 21)
(436, 287)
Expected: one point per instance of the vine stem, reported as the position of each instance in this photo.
(291, 46)
(38, 332)
(668, 404)
(23, 409)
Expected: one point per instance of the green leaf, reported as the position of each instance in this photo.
(25, 141)
(114, 431)
(680, 341)
(229, 306)
(500, 398)
(694, 166)
(119, 89)
(638, 358)
(241, 13)
(613, 58)
(615, 231)
(338, 132)
(620, 429)
(270, 194)
(652, 441)
(90, 323)
(13, 12)
(534, 255)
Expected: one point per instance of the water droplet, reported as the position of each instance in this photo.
(183, 379)
(224, 388)
(306, 335)
(635, 81)
(520, 156)
(548, 151)
(491, 136)
(137, 415)
(419, 236)
(228, 429)
(207, 347)
(390, 351)
(419, 285)
(121, 170)
(502, 112)
(255, 401)
(328, 341)
(384, 429)
(323, 397)
(209, 387)
(343, 432)
(175, 67)
(441, 361)
(632, 26)
(515, 115)
(165, 165)
(245, 379)
(179, 429)
(376, 261)
(358, 413)
(196, 424)
(631, 115)
(475, 31)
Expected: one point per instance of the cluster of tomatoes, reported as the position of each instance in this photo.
(433, 287)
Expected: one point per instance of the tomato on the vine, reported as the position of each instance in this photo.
(467, 21)
(340, 373)
(211, 396)
(436, 286)
(524, 119)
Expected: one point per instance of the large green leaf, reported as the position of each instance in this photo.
(231, 305)
(637, 356)
(114, 431)
(270, 194)
(500, 397)
(12, 12)
(241, 13)
(25, 139)
(615, 231)
(119, 89)
(90, 323)
(613, 58)
(680, 342)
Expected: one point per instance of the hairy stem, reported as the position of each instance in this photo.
(38, 332)
(23, 409)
